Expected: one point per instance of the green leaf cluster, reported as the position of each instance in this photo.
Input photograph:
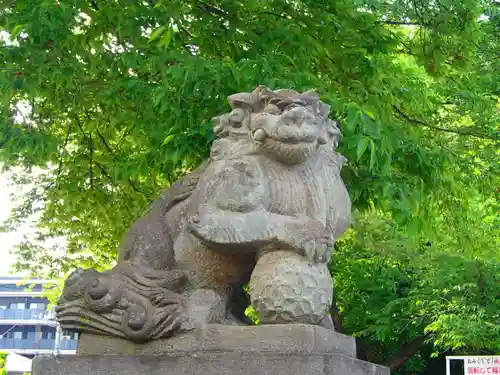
(3, 356)
(393, 288)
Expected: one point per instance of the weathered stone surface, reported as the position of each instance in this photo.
(207, 364)
(270, 192)
(284, 339)
(286, 288)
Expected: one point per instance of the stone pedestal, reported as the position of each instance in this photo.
(218, 350)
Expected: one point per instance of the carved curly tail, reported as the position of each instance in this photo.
(128, 302)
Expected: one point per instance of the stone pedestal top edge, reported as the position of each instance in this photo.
(283, 339)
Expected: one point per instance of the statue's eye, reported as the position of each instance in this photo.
(236, 117)
(300, 103)
(287, 104)
(292, 105)
(281, 103)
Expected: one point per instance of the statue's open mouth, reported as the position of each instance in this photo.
(291, 137)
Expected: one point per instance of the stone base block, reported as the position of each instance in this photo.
(207, 364)
(217, 350)
(269, 338)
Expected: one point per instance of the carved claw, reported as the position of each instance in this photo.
(316, 251)
(312, 239)
(196, 218)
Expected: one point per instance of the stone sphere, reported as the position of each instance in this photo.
(286, 288)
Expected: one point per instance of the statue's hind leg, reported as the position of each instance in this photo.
(214, 279)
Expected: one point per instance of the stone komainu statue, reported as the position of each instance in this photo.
(265, 209)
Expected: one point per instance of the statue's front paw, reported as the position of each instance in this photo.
(318, 250)
(312, 239)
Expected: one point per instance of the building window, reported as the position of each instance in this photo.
(69, 335)
(37, 306)
(18, 335)
(18, 306)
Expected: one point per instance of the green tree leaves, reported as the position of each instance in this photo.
(400, 288)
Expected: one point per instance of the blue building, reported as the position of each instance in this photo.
(27, 325)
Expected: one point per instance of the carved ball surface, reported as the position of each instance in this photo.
(285, 288)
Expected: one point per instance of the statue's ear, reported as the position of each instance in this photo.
(220, 125)
(310, 96)
(243, 100)
(342, 160)
(333, 130)
(324, 109)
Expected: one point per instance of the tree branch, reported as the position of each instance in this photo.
(104, 172)
(86, 138)
(184, 45)
(481, 283)
(285, 17)
(133, 186)
(91, 157)
(108, 148)
(210, 9)
(66, 140)
(468, 131)
(403, 23)
(406, 351)
(417, 11)
(126, 133)
(338, 320)
(105, 143)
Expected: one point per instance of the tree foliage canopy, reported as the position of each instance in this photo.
(118, 97)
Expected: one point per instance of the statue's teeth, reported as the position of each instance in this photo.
(259, 135)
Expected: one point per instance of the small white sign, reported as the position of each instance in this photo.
(482, 365)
